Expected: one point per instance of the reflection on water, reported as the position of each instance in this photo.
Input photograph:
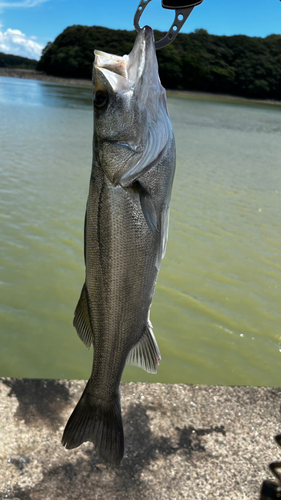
(216, 311)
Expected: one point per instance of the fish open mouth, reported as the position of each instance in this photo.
(116, 64)
(123, 72)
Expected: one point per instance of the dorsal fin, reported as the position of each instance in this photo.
(82, 321)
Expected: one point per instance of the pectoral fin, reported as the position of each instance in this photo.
(146, 353)
(82, 321)
(164, 235)
(147, 206)
(85, 236)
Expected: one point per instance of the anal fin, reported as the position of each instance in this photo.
(82, 321)
(146, 353)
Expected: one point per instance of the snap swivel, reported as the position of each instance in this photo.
(183, 9)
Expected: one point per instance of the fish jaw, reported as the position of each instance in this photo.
(135, 128)
(137, 70)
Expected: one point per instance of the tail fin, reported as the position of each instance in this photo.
(90, 422)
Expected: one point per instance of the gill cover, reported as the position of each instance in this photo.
(143, 129)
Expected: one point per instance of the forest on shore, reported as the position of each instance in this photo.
(237, 65)
(11, 61)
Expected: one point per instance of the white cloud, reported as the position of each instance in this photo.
(21, 4)
(17, 43)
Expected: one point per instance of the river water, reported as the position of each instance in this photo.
(217, 307)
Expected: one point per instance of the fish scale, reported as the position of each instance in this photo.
(126, 228)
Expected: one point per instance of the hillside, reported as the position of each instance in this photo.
(237, 65)
(11, 61)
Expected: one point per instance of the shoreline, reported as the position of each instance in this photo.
(31, 74)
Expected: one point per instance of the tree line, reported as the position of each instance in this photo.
(11, 61)
(237, 65)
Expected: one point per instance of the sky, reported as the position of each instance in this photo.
(27, 25)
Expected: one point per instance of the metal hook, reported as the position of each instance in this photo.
(272, 490)
(180, 18)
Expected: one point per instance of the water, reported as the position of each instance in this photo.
(217, 307)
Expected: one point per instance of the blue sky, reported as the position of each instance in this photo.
(27, 25)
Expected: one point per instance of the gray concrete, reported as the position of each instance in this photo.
(182, 442)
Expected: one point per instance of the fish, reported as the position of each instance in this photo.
(125, 237)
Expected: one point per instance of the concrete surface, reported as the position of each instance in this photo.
(182, 442)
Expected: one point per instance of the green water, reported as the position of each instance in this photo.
(217, 307)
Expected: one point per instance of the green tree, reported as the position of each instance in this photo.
(11, 61)
(238, 65)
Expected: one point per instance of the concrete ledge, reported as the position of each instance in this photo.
(182, 442)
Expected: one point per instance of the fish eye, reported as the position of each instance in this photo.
(100, 99)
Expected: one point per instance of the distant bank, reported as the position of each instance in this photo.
(32, 74)
(40, 75)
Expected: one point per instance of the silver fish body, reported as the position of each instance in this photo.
(126, 228)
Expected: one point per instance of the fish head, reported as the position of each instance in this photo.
(131, 121)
